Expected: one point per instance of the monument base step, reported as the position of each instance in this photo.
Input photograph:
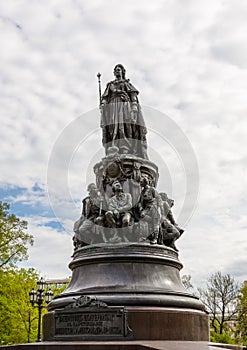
(121, 345)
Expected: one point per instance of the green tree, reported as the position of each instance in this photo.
(18, 320)
(221, 300)
(13, 237)
(241, 332)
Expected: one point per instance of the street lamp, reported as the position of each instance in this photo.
(37, 297)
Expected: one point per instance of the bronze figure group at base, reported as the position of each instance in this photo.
(150, 219)
(124, 205)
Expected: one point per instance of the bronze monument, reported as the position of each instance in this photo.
(125, 260)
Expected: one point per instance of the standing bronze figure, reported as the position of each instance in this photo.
(121, 117)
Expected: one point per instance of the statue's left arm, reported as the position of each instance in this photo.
(132, 93)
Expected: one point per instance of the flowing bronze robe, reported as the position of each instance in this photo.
(117, 121)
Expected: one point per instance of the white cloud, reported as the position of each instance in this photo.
(188, 59)
(51, 251)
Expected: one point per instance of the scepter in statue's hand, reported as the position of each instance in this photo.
(98, 76)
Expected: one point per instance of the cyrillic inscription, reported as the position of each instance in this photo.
(91, 323)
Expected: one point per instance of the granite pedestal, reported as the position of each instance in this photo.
(142, 278)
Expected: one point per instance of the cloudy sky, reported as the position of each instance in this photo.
(189, 61)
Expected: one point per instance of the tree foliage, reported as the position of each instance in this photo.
(18, 320)
(221, 299)
(13, 237)
(241, 331)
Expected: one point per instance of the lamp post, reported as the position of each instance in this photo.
(37, 297)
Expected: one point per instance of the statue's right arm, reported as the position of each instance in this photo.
(106, 94)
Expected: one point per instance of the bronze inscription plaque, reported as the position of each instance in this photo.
(91, 323)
